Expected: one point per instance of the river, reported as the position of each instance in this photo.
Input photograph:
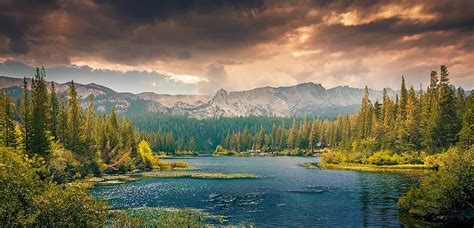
(285, 195)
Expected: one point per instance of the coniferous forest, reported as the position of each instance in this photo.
(261, 113)
(50, 144)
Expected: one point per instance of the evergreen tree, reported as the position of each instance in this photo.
(89, 128)
(292, 135)
(192, 144)
(402, 106)
(431, 112)
(466, 135)
(62, 129)
(40, 143)
(54, 104)
(412, 122)
(448, 126)
(75, 122)
(25, 115)
(313, 136)
(364, 117)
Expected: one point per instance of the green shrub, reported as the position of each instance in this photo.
(384, 158)
(63, 166)
(446, 192)
(27, 200)
(436, 161)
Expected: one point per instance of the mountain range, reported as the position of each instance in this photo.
(306, 99)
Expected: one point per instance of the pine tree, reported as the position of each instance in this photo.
(292, 135)
(75, 122)
(402, 105)
(466, 135)
(25, 116)
(54, 104)
(192, 144)
(62, 129)
(364, 117)
(448, 125)
(412, 122)
(431, 113)
(313, 136)
(40, 143)
(89, 128)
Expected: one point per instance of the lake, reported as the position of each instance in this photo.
(285, 195)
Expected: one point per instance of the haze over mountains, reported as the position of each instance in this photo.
(306, 99)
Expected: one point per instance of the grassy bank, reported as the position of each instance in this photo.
(201, 175)
(162, 217)
(377, 168)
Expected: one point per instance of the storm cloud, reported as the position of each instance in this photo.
(244, 44)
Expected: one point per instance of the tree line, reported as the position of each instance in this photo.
(45, 125)
(430, 120)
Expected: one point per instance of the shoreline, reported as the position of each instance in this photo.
(376, 168)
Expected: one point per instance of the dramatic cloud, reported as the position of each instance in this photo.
(207, 45)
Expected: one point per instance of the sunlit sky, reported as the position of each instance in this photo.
(200, 46)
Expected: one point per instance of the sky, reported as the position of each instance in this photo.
(200, 46)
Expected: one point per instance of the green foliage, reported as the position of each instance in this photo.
(162, 217)
(39, 140)
(466, 134)
(446, 193)
(63, 166)
(220, 151)
(147, 158)
(384, 158)
(26, 200)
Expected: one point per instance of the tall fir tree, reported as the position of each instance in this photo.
(466, 135)
(40, 142)
(448, 126)
(75, 141)
(89, 129)
(54, 105)
(25, 116)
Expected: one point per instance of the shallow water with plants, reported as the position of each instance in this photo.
(285, 194)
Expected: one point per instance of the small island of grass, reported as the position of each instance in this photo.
(201, 175)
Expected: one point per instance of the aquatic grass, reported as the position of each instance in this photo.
(201, 175)
(162, 217)
(310, 165)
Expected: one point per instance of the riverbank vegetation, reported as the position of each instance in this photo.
(201, 175)
(60, 143)
(426, 129)
(162, 217)
(49, 146)
(446, 195)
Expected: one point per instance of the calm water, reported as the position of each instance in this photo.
(286, 195)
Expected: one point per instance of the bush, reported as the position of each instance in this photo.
(62, 166)
(26, 200)
(445, 193)
(384, 158)
(221, 151)
(66, 205)
(436, 161)
(147, 158)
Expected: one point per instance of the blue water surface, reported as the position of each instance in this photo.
(285, 195)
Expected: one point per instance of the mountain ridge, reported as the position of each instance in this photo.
(304, 99)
